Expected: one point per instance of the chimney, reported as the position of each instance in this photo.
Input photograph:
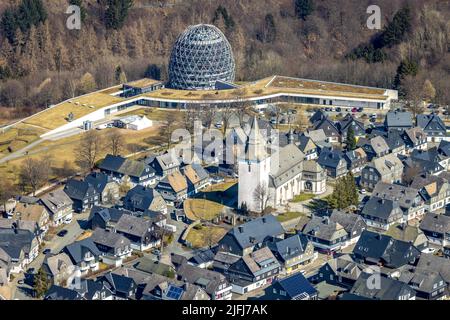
(264, 220)
(241, 229)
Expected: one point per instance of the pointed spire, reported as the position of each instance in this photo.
(256, 144)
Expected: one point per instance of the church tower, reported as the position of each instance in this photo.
(253, 168)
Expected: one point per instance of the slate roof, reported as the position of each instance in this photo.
(109, 239)
(330, 158)
(111, 163)
(389, 289)
(431, 124)
(56, 200)
(328, 127)
(118, 283)
(206, 279)
(290, 160)
(444, 148)
(56, 263)
(290, 247)
(346, 220)
(346, 267)
(324, 228)
(438, 223)
(78, 190)
(430, 262)
(60, 293)
(195, 173)
(316, 135)
(257, 229)
(380, 208)
(140, 198)
(133, 225)
(415, 135)
(350, 121)
(108, 214)
(296, 286)
(129, 167)
(260, 261)
(306, 144)
(398, 119)
(14, 241)
(421, 280)
(78, 249)
(405, 196)
(98, 180)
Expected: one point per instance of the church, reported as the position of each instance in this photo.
(276, 175)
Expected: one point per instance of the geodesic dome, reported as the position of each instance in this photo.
(200, 57)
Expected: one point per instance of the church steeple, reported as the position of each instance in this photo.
(255, 149)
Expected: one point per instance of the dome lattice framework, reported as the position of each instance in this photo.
(200, 57)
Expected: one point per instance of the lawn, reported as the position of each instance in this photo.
(18, 137)
(202, 209)
(221, 187)
(303, 197)
(205, 236)
(289, 216)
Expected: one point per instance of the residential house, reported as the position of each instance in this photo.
(122, 287)
(349, 121)
(434, 190)
(356, 160)
(83, 195)
(341, 271)
(60, 207)
(243, 239)
(142, 233)
(433, 155)
(408, 233)
(317, 136)
(308, 147)
(437, 228)
(203, 259)
(428, 284)
(292, 252)
(329, 128)
(396, 120)
(22, 246)
(34, 213)
(381, 213)
(353, 224)
(383, 250)
(173, 187)
(56, 292)
(164, 164)
(84, 254)
(163, 288)
(214, 283)
(93, 290)
(409, 199)
(325, 234)
(333, 162)
(433, 263)
(294, 287)
(433, 126)
(114, 247)
(388, 169)
(128, 171)
(105, 218)
(197, 178)
(395, 143)
(142, 198)
(59, 268)
(106, 187)
(389, 289)
(375, 147)
(253, 271)
(415, 139)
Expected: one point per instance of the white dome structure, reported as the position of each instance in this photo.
(200, 57)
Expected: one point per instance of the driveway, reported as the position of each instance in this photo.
(74, 230)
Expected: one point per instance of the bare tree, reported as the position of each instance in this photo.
(261, 196)
(414, 94)
(226, 114)
(7, 191)
(190, 115)
(35, 173)
(208, 115)
(88, 151)
(168, 127)
(116, 142)
(241, 112)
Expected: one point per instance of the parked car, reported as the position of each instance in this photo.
(338, 109)
(360, 109)
(354, 110)
(62, 233)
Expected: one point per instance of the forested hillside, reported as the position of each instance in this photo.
(43, 62)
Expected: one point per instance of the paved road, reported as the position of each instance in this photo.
(74, 230)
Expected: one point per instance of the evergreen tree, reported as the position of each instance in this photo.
(227, 19)
(350, 140)
(9, 24)
(303, 8)
(116, 13)
(120, 76)
(153, 72)
(396, 31)
(41, 283)
(406, 68)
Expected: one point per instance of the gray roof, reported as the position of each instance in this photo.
(438, 223)
(140, 198)
(324, 228)
(430, 262)
(432, 124)
(405, 196)
(390, 289)
(256, 231)
(380, 208)
(209, 280)
(290, 160)
(316, 135)
(56, 200)
(399, 119)
(132, 225)
(379, 145)
(346, 267)
(14, 241)
(421, 279)
(109, 239)
(78, 249)
(346, 220)
(289, 247)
